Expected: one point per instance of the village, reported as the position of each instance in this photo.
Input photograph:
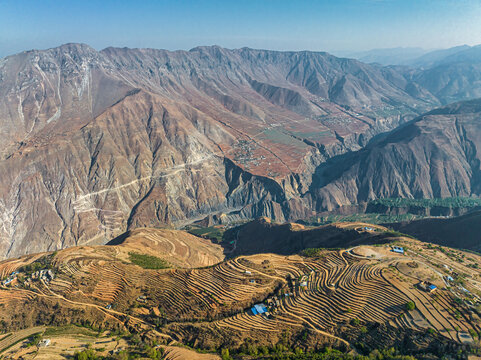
(21, 278)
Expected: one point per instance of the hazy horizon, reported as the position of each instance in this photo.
(344, 26)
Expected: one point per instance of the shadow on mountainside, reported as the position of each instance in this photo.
(263, 236)
(460, 232)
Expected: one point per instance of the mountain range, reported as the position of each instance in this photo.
(100, 142)
(414, 56)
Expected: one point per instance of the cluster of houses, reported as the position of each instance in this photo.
(450, 280)
(11, 279)
(142, 299)
(46, 275)
(275, 301)
(272, 303)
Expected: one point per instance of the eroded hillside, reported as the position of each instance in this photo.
(95, 143)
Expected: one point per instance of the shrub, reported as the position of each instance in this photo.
(355, 322)
(34, 340)
(311, 252)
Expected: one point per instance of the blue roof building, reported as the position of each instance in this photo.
(398, 249)
(259, 309)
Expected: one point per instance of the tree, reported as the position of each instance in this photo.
(252, 350)
(298, 351)
(225, 354)
(410, 306)
(263, 350)
(154, 353)
(88, 354)
(355, 322)
(122, 355)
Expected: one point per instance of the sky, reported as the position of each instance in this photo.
(318, 25)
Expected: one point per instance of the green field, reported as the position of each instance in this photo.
(69, 330)
(280, 137)
(211, 232)
(453, 203)
(312, 134)
(148, 261)
(371, 218)
(381, 218)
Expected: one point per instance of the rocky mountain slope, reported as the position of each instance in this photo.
(95, 142)
(436, 155)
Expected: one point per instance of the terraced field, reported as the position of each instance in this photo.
(180, 248)
(179, 353)
(338, 296)
(342, 289)
(17, 336)
(339, 288)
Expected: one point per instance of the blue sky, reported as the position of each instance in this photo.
(271, 24)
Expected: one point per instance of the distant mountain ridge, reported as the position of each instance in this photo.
(433, 57)
(415, 56)
(450, 75)
(388, 56)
